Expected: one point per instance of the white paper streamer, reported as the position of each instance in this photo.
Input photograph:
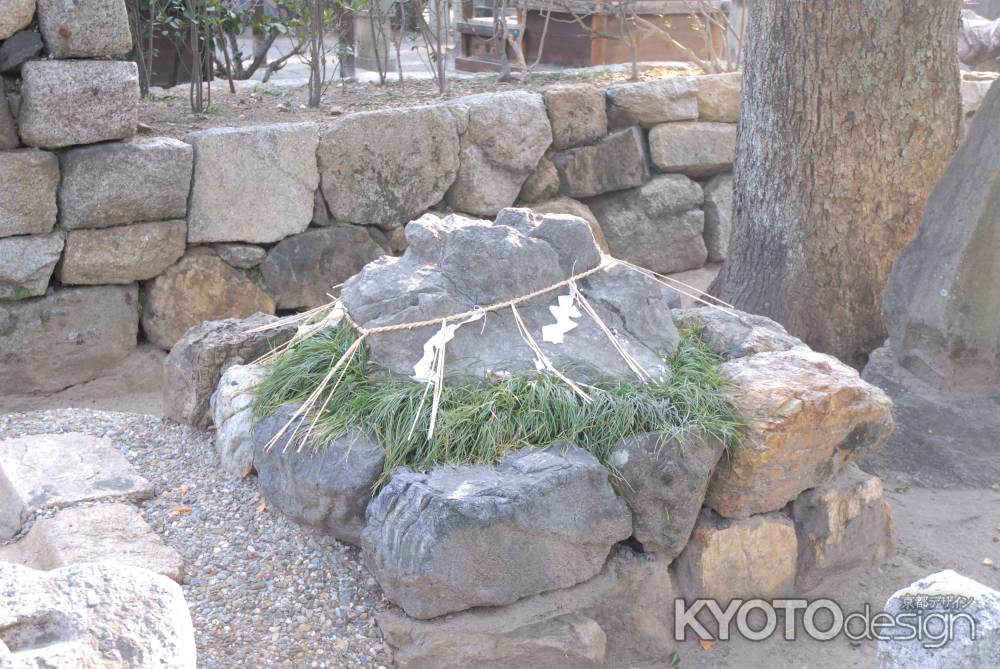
(424, 371)
(564, 314)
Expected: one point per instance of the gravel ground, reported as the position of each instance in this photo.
(263, 592)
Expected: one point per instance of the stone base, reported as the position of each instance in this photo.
(941, 438)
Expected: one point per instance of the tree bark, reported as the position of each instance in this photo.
(850, 114)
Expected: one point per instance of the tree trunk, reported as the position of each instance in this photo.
(850, 114)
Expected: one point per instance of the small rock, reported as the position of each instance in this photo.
(719, 97)
(718, 216)
(16, 14)
(232, 414)
(571, 207)
(28, 197)
(693, 148)
(577, 114)
(18, 49)
(26, 263)
(542, 184)
(241, 256)
(616, 162)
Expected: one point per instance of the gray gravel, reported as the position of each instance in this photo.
(263, 592)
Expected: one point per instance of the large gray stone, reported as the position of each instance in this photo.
(664, 484)
(94, 615)
(124, 182)
(14, 15)
(327, 486)
(454, 264)
(693, 148)
(18, 49)
(736, 334)
(386, 167)
(503, 136)
(652, 102)
(192, 370)
(658, 226)
(122, 254)
(719, 97)
(232, 414)
(718, 216)
(58, 470)
(28, 197)
(631, 600)
(252, 184)
(457, 538)
(302, 270)
(66, 102)
(577, 113)
(69, 336)
(26, 263)
(84, 28)
(616, 162)
(113, 531)
(929, 603)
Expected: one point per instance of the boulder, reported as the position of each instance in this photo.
(808, 414)
(122, 254)
(719, 97)
(232, 414)
(386, 167)
(631, 600)
(66, 102)
(658, 226)
(542, 184)
(197, 288)
(94, 615)
(84, 28)
(195, 364)
(843, 524)
(15, 15)
(69, 336)
(9, 139)
(113, 532)
(124, 182)
(693, 148)
(577, 114)
(229, 203)
(736, 334)
(57, 470)
(718, 216)
(454, 264)
(571, 207)
(28, 197)
(929, 603)
(664, 483)
(302, 270)
(26, 263)
(327, 486)
(616, 162)
(477, 535)
(502, 138)
(742, 558)
(241, 256)
(651, 102)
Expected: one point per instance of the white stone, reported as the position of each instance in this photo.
(232, 414)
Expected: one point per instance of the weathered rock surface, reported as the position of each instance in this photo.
(124, 182)
(718, 216)
(571, 207)
(743, 558)
(192, 370)
(658, 226)
(652, 102)
(241, 256)
(232, 414)
(302, 270)
(616, 162)
(13, 510)
(326, 486)
(66, 102)
(69, 336)
(719, 97)
(15, 14)
(808, 414)
(902, 651)
(228, 204)
(84, 28)
(542, 184)
(122, 254)
(664, 484)
(28, 197)
(386, 167)
(18, 49)
(844, 523)
(197, 288)
(631, 599)
(577, 113)
(693, 148)
(502, 138)
(113, 531)
(94, 615)
(454, 264)
(9, 139)
(26, 263)
(56, 470)
(457, 538)
(736, 334)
